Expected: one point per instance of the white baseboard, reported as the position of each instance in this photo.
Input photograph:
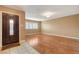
(32, 34)
(61, 36)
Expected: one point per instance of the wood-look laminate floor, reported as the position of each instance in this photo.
(46, 44)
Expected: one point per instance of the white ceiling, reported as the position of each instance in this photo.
(35, 12)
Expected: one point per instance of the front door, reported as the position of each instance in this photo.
(10, 29)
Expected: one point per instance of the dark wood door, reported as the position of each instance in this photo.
(10, 29)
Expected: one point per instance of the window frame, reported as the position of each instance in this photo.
(31, 25)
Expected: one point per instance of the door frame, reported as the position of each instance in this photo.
(13, 44)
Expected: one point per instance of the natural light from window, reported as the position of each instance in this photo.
(31, 25)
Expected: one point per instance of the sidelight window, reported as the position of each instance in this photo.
(11, 22)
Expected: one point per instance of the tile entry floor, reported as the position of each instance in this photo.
(22, 49)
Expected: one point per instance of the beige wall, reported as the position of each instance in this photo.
(65, 26)
(34, 31)
(21, 15)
